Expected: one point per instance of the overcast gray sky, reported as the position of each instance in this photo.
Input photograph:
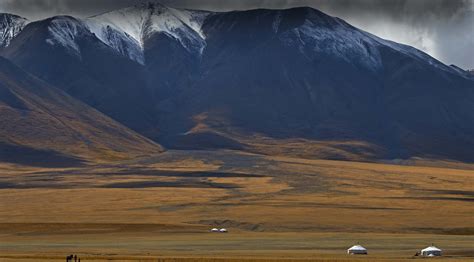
(442, 28)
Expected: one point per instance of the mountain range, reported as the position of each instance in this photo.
(293, 81)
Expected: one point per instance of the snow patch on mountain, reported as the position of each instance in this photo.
(321, 33)
(119, 41)
(167, 22)
(64, 31)
(142, 21)
(10, 26)
(314, 37)
(192, 19)
(129, 20)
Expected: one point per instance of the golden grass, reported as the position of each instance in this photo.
(274, 207)
(144, 259)
(142, 241)
(189, 164)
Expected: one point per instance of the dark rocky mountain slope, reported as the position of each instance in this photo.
(257, 80)
(42, 125)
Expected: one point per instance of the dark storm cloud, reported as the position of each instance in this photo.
(395, 9)
(36, 9)
(443, 28)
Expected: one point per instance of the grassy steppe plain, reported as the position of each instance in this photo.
(274, 207)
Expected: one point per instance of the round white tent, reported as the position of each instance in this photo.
(357, 250)
(431, 251)
(215, 230)
(223, 230)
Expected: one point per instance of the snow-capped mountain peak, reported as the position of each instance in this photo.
(129, 20)
(64, 31)
(10, 26)
(125, 30)
(337, 40)
(321, 33)
(119, 41)
(143, 20)
(129, 31)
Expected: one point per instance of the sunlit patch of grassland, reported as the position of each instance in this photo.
(190, 164)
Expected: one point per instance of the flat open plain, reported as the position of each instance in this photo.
(276, 208)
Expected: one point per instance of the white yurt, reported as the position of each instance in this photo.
(357, 250)
(431, 251)
(215, 230)
(223, 230)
